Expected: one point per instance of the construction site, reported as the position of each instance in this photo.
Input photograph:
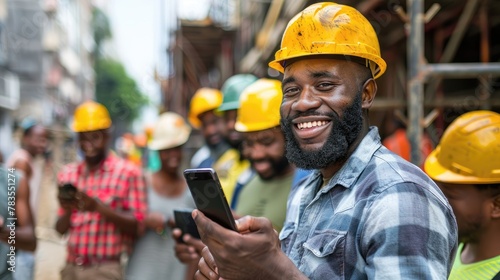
(442, 56)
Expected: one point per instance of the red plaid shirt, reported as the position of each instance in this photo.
(118, 184)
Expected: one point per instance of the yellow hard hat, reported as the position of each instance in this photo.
(469, 151)
(91, 116)
(204, 100)
(331, 29)
(259, 106)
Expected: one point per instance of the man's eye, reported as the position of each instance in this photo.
(290, 91)
(266, 141)
(324, 86)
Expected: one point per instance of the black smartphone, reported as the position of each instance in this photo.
(184, 221)
(67, 191)
(209, 196)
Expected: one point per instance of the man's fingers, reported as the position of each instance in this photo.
(185, 253)
(176, 233)
(207, 268)
(196, 243)
(252, 224)
(199, 276)
(210, 229)
(206, 227)
(208, 258)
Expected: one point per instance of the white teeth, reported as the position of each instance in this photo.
(311, 124)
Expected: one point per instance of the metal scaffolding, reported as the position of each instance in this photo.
(420, 72)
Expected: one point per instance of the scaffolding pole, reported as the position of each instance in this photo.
(415, 80)
(419, 71)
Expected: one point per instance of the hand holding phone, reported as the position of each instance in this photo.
(67, 191)
(209, 197)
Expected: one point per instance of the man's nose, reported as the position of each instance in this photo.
(306, 100)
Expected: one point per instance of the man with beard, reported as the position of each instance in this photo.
(264, 145)
(365, 213)
(107, 210)
(466, 165)
(232, 164)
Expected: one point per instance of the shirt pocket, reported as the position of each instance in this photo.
(324, 255)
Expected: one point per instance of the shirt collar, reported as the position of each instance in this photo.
(357, 162)
(105, 165)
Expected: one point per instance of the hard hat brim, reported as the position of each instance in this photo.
(229, 106)
(163, 144)
(439, 173)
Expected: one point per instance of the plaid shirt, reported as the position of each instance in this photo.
(379, 217)
(118, 184)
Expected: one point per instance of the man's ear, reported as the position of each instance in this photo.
(369, 92)
(495, 211)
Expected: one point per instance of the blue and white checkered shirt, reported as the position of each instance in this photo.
(379, 217)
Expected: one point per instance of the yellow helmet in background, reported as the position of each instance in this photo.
(330, 29)
(469, 151)
(203, 100)
(91, 116)
(259, 106)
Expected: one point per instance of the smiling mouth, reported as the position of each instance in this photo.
(305, 125)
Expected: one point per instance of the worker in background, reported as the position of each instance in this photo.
(466, 166)
(17, 231)
(153, 255)
(399, 143)
(29, 161)
(203, 115)
(107, 212)
(264, 146)
(232, 163)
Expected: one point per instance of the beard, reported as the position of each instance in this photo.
(234, 142)
(344, 132)
(278, 167)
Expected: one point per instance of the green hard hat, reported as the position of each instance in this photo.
(232, 89)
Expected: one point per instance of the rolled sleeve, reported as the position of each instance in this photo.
(136, 201)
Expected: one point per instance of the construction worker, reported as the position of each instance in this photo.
(232, 164)
(216, 152)
(466, 166)
(167, 190)
(364, 212)
(398, 143)
(203, 115)
(107, 211)
(264, 145)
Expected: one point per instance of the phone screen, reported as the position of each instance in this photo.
(209, 196)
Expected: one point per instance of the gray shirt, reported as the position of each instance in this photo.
(153, 256)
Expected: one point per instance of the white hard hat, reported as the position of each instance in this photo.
(170, 131)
